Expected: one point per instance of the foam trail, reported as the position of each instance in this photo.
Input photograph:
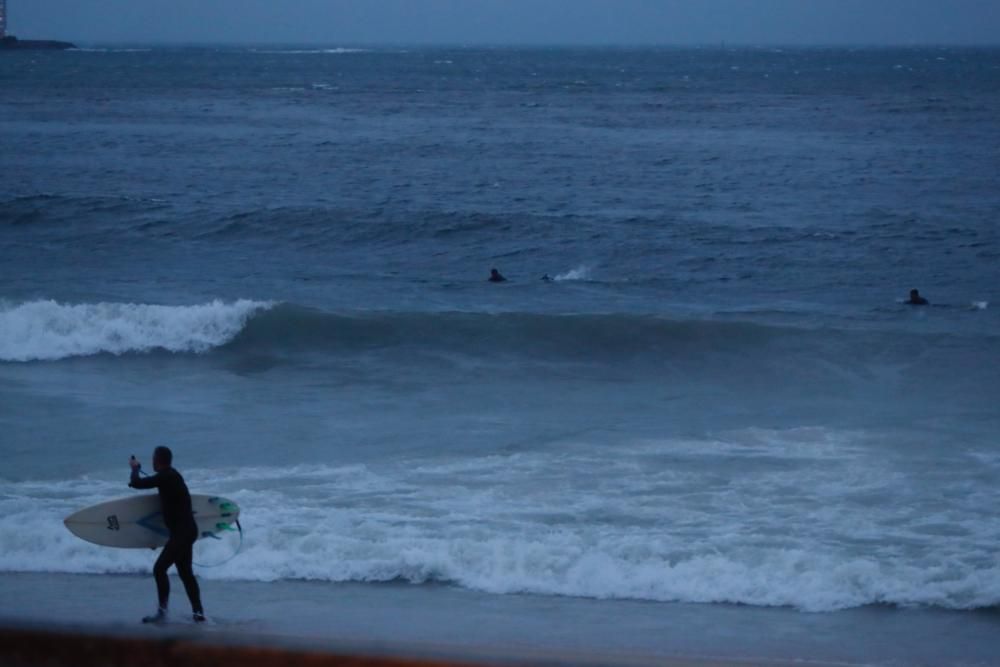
(48, 330)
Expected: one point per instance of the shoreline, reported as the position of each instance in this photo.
(414, 621)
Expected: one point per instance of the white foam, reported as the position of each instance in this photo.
(335, 51)
(87, 50)
(790, 524)
(48, 330)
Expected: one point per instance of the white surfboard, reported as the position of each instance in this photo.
(136, 522)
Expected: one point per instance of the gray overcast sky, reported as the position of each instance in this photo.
(512, 21)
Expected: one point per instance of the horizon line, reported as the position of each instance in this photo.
(723, 44)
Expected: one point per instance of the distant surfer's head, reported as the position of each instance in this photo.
(914, 294)
(162, 458)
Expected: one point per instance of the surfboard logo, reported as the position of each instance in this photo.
(113, 522)
(154, 522)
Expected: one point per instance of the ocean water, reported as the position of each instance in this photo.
(273, 260)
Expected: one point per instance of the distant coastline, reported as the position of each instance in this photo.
(11, 43)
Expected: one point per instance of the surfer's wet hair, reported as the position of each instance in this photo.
(163, 455)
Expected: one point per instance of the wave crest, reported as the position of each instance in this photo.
(48, 330)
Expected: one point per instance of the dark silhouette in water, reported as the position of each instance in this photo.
(495, 277)
(916, 300)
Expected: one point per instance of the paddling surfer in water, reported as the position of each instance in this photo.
(915, 299)
(179, 519)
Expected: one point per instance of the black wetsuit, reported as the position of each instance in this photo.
(179, 519)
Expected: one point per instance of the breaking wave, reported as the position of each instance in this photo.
(48, 330)
(725, 358)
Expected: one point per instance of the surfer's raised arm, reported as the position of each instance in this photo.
(137, 482)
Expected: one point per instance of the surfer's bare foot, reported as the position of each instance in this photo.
(159, 617)
(199, 617)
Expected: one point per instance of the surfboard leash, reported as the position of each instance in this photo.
(239, 546)
(236, 553)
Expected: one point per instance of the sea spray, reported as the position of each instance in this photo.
(579, 273)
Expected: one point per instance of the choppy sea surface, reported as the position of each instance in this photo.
(274, 261)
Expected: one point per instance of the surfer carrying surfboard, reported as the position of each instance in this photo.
(179, 520)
